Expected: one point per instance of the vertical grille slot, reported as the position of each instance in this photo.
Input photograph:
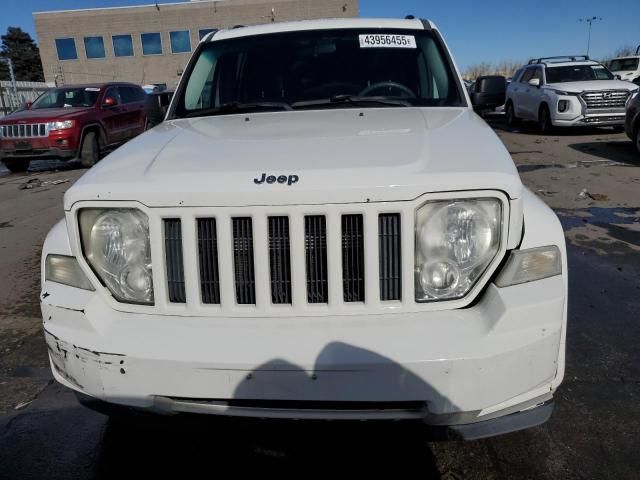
(208, 260)
(243, 261)
(175, 264)
(280, 260)
(352, 258)
(390, 256)
(315, 246)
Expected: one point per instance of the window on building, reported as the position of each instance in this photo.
(122, 45)
(94, 47)
(203, 32)
(180, 41)
(66, 49)
(151, 44)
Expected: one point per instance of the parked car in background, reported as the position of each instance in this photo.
(567, 92)
(157, 105)
(73, 122)
(154, 87)
(321, 228)
(627, 68)
(632, 122)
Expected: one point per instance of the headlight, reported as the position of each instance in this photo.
(115, 242)
(456, 240)
(61, 125)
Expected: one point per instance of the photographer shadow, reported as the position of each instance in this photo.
(199, 446)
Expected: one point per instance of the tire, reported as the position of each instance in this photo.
(637, 139)
(90, 150)
(512, 120)
(544, 120)
(18, 165)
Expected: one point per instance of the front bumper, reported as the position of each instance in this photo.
(456, 367)
(60, 144)
(576, 113)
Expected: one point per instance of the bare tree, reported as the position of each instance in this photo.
(506, 68)
(624, 51)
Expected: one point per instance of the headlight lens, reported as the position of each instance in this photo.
(64, 125)
(116, 245)
(455, 242)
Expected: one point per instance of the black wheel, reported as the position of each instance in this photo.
(90, 150)
(17, 165)
(544, 120)
(637, 137)
(510, 112)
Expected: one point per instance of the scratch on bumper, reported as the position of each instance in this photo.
(82, 367)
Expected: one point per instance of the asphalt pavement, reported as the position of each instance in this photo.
(593, 433)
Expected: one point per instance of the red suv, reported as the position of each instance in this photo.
(73, 122)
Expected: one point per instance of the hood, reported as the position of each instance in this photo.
(578, 87)
(44, 114)
(337, 156)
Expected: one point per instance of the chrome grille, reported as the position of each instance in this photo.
(605, 99)
(29, 130)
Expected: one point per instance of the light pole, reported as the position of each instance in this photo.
(590, 21)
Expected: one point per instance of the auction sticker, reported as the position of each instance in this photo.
(387, 41)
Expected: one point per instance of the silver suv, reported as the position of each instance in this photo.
(567, 92)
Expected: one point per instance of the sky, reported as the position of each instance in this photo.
(476, 31)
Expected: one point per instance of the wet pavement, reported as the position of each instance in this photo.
(594, 432)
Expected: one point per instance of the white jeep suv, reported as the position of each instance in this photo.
(321, 228)
(567, 92)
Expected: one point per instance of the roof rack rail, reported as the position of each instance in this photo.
(570, 58)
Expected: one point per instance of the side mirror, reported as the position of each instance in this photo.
(27, 105)
(617, 77)
(109, 102)
(165, 99)
(534, 82)
(489, 92)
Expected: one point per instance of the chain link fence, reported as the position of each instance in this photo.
(12, 100)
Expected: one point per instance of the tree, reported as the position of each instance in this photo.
(624, 51)
(24, 54)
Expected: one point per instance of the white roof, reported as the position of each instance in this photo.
(324, 24)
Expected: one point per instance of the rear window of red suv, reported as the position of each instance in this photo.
(67, 97)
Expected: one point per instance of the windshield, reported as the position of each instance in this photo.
(67, 98)
(320, 69)
(623, 64)
(577, 73)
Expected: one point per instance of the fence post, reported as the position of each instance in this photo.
(4, 106)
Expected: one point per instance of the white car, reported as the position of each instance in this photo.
(567, 92)
(627, 68)
(322, 228)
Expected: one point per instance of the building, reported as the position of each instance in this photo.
(152, 43)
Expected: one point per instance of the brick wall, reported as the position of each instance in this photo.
(163, 68)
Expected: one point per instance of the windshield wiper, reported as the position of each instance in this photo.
(353, 99)
(237, 107)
